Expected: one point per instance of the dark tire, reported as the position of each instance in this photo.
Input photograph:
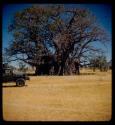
(20, 82)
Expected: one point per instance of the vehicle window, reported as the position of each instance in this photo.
(7, 71)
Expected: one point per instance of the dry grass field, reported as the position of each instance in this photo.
(60, 98)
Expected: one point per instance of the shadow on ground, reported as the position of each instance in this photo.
(8, 86)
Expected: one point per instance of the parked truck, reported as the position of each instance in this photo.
(9, 76)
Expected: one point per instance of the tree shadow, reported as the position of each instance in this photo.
(8, 86)
(87, 73)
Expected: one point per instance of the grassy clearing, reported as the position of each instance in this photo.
(63, 98)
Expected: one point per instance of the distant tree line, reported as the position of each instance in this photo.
(100, 63)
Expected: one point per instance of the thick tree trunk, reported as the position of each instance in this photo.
(36, 71)
(61, 69)
(62, 65)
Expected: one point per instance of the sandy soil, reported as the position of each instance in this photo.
(59, 98)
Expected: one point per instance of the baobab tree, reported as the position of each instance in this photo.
(54, 31)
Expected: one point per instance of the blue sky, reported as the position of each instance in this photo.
(102, 12)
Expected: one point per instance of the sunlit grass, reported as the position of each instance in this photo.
(53, 98)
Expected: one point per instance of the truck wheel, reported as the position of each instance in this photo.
(20, 82)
